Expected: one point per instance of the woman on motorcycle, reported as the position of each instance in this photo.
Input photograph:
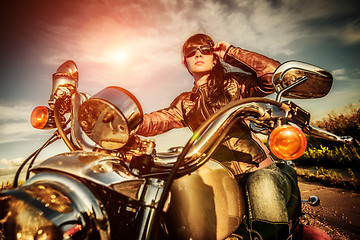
(267, 188)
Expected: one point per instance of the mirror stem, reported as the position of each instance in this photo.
(300, 80)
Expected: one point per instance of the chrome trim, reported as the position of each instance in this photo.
(78, 137)
(103, 169)
(68, 69)
(295, 79)
(110, 117)
(321, 133)
(282, 91)
(165, 159)
(150, 198)
(81, 196)
(65, 80)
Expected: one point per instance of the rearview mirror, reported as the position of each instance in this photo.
(296, 79)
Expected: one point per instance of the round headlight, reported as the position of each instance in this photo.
(108, 117)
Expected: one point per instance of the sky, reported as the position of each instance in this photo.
(137, 45)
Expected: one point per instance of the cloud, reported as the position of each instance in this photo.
(19, 129)
(8, 168)
(86, 26)
(339, 74)
(12, 162)
(144, 28)
(15, 122)
(351, 33)
(16, 111)
(91, 30)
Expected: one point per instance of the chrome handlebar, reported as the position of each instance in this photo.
(321, 133)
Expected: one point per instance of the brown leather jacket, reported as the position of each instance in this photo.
(190, 110)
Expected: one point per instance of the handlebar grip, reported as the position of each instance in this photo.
(321, 133)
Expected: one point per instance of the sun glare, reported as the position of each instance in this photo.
(118, 56)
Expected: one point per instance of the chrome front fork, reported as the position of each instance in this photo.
(150, 198)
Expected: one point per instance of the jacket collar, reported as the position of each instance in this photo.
(196, 87)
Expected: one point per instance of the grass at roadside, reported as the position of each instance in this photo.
(333, 163)
(8, 185)
(331, 177)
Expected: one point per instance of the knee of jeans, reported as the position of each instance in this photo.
(260, 184)
(269, 180)
(263, 177)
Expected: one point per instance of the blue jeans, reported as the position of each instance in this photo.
(267, 192)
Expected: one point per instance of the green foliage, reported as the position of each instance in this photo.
(331, 177)
(337, 157)
(351, 173)
(332, 154)
(344, 124)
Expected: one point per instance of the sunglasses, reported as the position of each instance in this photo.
(204, 49)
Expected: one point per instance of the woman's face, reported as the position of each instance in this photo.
(201, 62)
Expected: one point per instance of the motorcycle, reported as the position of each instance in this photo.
(113, 184)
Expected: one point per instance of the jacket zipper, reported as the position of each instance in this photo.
(203, 104)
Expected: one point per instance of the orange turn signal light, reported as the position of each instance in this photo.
(287, 142)
(40, 117)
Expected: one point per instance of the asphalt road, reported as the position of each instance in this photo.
(338, 213)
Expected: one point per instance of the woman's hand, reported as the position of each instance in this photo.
(220, 49)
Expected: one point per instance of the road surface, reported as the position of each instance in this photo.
(338, 213)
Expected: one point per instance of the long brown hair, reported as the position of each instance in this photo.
(217, 80)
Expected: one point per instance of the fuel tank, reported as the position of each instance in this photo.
(207, 204)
